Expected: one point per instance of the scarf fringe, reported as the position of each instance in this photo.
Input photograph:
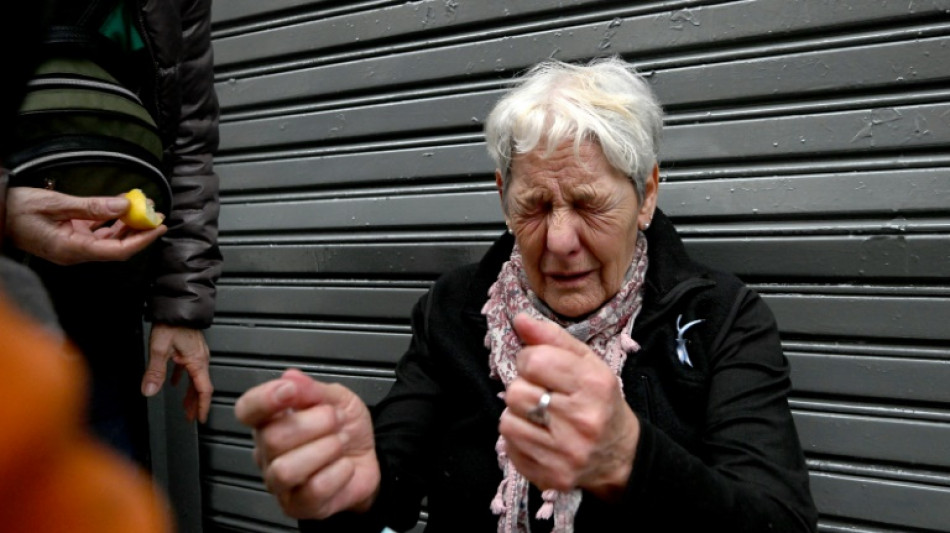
(547, 508)
(498, 502)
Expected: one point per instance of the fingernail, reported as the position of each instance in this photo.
(284, 392)
(151, 389)
(117, 204)
(340, 416)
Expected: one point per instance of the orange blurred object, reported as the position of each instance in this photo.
(54, 476)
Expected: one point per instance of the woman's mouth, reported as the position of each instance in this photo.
(569, 278)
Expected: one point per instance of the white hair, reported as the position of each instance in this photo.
(604, 101)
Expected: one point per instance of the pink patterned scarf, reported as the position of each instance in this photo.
(606, 332)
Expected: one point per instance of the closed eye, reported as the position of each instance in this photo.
(597, 205)
(532, 203)
(587, 198)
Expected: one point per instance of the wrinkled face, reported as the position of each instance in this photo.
(575, 220)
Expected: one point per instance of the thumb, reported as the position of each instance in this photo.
(309, 392)
(91, 208)
(537, 332)
(155, 373)
(293, 390)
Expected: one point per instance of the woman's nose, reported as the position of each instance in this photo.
(562, 238)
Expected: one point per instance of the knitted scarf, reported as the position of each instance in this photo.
(606, 332)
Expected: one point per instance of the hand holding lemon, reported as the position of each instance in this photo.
(141, 214)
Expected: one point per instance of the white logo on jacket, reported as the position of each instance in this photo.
(681, 352)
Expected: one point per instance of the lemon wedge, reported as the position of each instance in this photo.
(141, 214)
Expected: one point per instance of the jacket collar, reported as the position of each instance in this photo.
(670, 275)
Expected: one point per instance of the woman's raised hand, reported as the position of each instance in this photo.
(314, 444)
(590, 436)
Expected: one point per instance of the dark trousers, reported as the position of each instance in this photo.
(100, 308)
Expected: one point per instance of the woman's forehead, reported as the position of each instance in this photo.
(563, 167)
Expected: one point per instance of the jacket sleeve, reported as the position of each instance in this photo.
(403, 423)
(751, 476)
(190, 261)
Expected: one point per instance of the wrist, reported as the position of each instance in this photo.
(615, 476)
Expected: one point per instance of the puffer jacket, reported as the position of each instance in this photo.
(718, 449)
(177, 35)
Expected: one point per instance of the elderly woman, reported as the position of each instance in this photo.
(585, 376)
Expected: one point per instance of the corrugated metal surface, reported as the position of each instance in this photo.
(805, 150)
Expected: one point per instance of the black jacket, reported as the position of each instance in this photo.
(718, 449)
(177, 35)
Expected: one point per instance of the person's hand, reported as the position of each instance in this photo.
(591, 435)
(187, 348)
(314, 445)
(68, 229)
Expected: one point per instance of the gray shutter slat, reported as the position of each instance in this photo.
(318, 301)
(866, 376)
(862, 316)
(869, 438)
(895, 503)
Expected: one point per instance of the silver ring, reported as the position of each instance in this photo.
(539, 413)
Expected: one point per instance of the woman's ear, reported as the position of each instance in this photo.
(648, 205)
(501, 196)
(501, 192)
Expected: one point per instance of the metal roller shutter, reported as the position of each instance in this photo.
(805, 149)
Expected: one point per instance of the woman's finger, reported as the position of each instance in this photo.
(296, 429)
(295, 467)
(324, 493)
(537, 455)
(527, 400)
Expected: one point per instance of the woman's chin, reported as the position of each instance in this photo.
(574, 307)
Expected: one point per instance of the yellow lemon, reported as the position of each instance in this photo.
(141, 214)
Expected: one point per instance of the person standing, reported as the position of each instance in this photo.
(53, 476)
(102, 290)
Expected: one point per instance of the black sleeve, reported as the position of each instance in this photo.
(403, 423)
(190, 260)
(752, 477)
